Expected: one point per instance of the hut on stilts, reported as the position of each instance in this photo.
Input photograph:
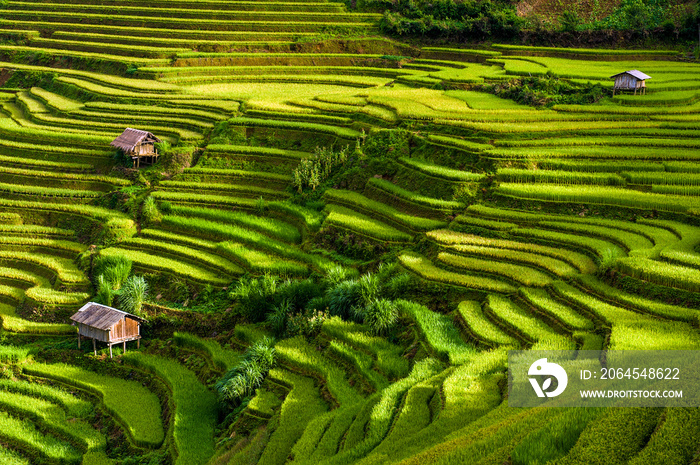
(106, 324)
(631, 80)
(137, 145)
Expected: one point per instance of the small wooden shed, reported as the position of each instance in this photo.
(137, 144)
(631, 80)
(106, 324)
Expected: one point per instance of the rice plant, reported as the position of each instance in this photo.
(136, 407)
(556, 439)
(440, 333)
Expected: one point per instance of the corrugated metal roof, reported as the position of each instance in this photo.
(100, 316)
(635, 73)
(131, 137)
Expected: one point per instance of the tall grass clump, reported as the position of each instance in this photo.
(242, 381)
(115, 269)
(368, 299)
(105, 291)
(149, 211)
(133, 294)
(312, 171)
(255, 296)
(609, 258)
(381, 315)
(343, 297)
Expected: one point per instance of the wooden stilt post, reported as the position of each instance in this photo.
(138, 343)
(78, 341)
(110, 351)
(124, 346)
(94, 346)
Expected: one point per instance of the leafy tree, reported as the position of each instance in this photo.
(570, 21)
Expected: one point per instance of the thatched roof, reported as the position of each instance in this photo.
(638, 74)
(100, 316)
(130, 138)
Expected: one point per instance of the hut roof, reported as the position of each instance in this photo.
(100, 316)
(638, 74)
(130, 138)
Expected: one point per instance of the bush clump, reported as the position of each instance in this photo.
(242, 381)
(545, 91)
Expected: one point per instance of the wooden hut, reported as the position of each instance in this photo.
(631, 80)
(106, 324)
(137, 144)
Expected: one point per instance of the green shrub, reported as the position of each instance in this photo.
(255, 296)
(242, 380)
(312, 172)
(133, 294)
(343, 297)
(381, 315)
(277, 318)
(105, 291)
(570, 21)
(298, 293)
(114, 268)
(150, 212)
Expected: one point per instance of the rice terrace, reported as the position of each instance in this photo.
(311, 231)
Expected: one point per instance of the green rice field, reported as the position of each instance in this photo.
(342, 236)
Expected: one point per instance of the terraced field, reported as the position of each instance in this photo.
(498, 225)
